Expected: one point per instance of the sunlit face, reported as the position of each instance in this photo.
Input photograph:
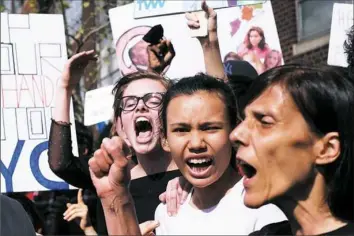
(140, 56)
(197, 134)
(272, 60)
(275, 148)
(141, 126)
(255, 38)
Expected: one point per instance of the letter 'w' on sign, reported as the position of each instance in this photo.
(150, 4)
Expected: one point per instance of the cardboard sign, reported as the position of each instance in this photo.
(98, 105)
(342, 20)
(33, 53)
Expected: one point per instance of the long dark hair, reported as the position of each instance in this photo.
(259, 30)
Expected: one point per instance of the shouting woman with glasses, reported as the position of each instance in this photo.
(138, 97)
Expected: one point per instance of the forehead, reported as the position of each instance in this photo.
(254, 32)
(275, 101)
(201, 106)
(143, 86)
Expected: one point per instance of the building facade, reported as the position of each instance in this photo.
(304, 28)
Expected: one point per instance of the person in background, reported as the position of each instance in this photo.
(34, 215)
(232, 56)
(254, 44)
(273, 59)
(80, 212)
(134, 120)
(14, 220)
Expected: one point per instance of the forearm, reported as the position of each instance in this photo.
(120, 215)
(213, 61)
(62, 104)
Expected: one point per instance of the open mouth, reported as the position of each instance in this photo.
(143, 127)
(246, 169)
(199, 164)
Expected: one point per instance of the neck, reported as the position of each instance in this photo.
(210, 196)
(309, 214)
(154, 162)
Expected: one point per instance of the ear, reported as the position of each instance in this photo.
(120, 131)
(165, 145)
(327, 148)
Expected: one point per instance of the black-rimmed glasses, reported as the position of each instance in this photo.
(151, 100)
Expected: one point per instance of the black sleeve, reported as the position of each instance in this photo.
(62, 162)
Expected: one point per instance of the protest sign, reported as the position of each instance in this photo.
(33, 53)
(98, 105)
(342, 20)
(148, 8)
(235, 25)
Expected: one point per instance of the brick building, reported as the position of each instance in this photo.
(303, 28)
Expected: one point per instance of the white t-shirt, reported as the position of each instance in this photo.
(229, 217)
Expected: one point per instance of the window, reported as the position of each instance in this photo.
(315, 17)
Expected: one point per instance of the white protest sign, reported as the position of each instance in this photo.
(148, 8)
(342, 20)
(234, 27)
(33, 53)
(98, 105)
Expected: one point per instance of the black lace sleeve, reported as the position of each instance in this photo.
(62, 162)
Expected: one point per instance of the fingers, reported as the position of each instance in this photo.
(75, 214)
(192, 20)
(95, 167)
(208, 10)
(170, 53)
(79, 196)
(162, 197)
(118, 150)
(171, 198)
(147, 227)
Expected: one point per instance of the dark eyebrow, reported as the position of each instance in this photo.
(180, 124)
(212, 123)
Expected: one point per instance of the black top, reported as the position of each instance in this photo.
(145, 191)
(283, 228)
(14, 219)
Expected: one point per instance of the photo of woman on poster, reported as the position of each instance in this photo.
(254, 43)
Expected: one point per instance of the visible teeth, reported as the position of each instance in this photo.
(198, 161)
(141, 119)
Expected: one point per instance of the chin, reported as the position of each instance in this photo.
(253, 201)
(145, 148)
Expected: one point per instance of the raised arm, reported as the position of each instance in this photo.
(110, 174)
(209, 43)
(61, 160)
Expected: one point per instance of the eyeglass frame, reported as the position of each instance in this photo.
(138, 100)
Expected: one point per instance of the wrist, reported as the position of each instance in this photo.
(119, 198)
(89, 230)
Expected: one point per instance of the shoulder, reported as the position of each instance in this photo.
(9, 203)
(12, 213)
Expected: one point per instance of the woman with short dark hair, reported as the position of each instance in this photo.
(295, 148)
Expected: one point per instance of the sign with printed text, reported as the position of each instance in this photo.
(342, 20)
(149, 8)
(33, 53)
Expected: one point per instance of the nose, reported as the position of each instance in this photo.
(197, 143)
(141, 106)
(240, 135)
